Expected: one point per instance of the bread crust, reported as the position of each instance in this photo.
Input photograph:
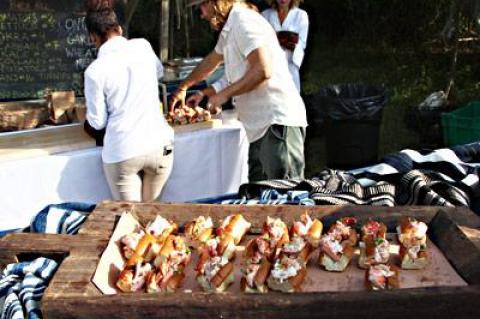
(292, 284)
(330, 264)
(392, 282)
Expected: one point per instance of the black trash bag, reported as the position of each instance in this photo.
(353, 101)
(352, 114)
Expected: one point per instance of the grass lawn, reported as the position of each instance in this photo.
(408, 76)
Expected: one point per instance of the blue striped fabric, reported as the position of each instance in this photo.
(63, 218)
(23, 285)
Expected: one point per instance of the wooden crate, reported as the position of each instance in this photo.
(72, 295)
(23, 115)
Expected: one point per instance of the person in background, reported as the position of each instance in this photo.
(291, 24)
(268, 104)
(121, 92)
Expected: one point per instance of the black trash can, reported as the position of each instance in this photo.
(352, 125)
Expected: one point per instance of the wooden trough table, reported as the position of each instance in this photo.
(71, 294)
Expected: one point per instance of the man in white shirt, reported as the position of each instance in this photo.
(268, 103)
(121, 91)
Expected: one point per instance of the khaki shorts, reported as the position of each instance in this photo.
(140, 178)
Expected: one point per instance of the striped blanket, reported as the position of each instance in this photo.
(22, 284)
(444, 177)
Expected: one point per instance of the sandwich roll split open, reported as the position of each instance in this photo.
(114, 276)
(382, 277)
(412, 235)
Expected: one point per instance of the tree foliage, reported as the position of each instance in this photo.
(393, 22)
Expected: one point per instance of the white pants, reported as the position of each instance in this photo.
(140, 178)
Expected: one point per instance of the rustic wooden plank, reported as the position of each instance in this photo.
(70, 290)
(410, 303)
(6, 258)
(25, 242)
(197, 126)
(72, 295)
(256, 214)
(54, 243)
(460, 244)
(75, 269)
(44, 141)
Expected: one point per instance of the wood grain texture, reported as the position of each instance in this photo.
(45, 141)
(72, 295)
(197, 126)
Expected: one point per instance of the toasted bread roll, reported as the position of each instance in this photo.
(226, 246)
(408, 262)
(303, 255)
(374, 229)
(133, 278)
(382, 277)
(287, 275)
(373, 251)
(199, 231)
(202, 259)
(234, 225)
(343, 230)
(167, 249)
(412, 236)
(175, 281)
(153, 251)
(353, 237)
(222, 274)
(276, 230)
(292, 284)
(315, 233)
(124, 282)
(340, 262)
(143, 246)
(220, 281)
(129, 242)
(262, 273)
(254, 280)
(412, 232)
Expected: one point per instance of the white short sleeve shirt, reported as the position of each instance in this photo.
(296, 21)
(275, 102)
(121, 91)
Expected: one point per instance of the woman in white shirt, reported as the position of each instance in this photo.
(121, 92)
(284, 15)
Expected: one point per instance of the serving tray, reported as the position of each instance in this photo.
(71, 294)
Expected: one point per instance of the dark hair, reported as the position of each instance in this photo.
(102, 22)
(97, 5)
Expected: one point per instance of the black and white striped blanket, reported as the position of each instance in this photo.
(444, 177)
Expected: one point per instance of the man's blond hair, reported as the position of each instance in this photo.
(221, 9)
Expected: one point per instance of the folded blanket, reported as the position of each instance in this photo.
(330, 187)
(273, 197)
(23, 285)
(443, 177)
(446, 177)
(63, 218)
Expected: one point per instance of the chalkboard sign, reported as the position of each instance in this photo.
(44, 45)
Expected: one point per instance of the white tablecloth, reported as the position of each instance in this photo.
(207, 163)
